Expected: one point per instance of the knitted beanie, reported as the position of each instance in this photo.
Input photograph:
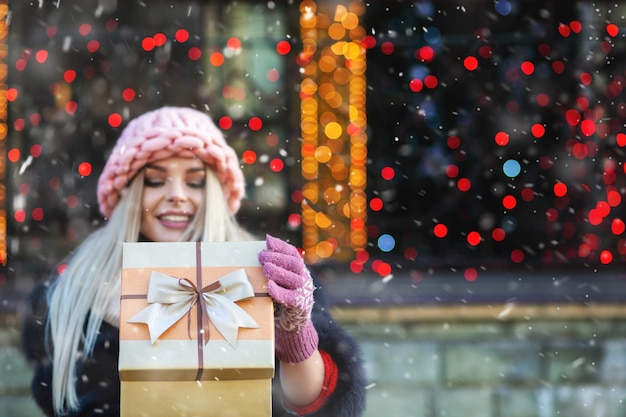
(166, 132)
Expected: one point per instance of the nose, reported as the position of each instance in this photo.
(176, 191)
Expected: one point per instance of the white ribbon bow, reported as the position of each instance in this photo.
(171, 298)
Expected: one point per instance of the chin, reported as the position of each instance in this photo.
(166, 237)
(170, 238)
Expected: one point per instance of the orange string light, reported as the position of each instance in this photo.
(333, 123)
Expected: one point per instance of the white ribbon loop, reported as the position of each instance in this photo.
(171, 298)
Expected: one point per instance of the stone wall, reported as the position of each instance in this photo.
(15, 374)
(456, 361)
(506, 361)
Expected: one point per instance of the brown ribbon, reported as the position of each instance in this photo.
(203, 316)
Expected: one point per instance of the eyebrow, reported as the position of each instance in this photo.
(163, 169)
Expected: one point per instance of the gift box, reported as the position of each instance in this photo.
(196, 330)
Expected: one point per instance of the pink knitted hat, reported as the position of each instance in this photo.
(165, 132)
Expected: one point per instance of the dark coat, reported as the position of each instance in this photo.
(98, 385)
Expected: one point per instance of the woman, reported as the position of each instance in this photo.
(172, 177)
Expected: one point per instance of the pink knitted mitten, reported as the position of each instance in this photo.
(291, 287)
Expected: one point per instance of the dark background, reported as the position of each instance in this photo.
(408, 131)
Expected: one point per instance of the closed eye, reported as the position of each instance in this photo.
(196, 184)
(153, 183)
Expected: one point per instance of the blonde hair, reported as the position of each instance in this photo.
(79, 298)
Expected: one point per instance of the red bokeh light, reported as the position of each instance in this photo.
(194, 53)
(19, 215)
(376, 204)
(586, 78)
(37, 214)
(93, 46)
(13, 155)
(588, 127)
(558, 67)
(572, 117)
(470, 274)
(233, 43)
(485, 51)
(425, 54)
(509, 202)
(84, 169)
(528, 194)
(617, 227)
(369, 41)
(502, 138)
(225, 122)
(452, 171)
(277, 165)
(470, 63)
(538, 130)
(159, 39)
(69, 75)
(128, 94)
(182, 35)
(255, 123)
(12, 94)
(576, 26)
(440, 230)
(560, 189)
(410, 254)
(356, 267)
(453, 142)
(84, 29)
(71, 107)
(148, 44)
(388, 173)
(283, 47)
(464, 184)
(498, 234)
(612, 29)
(517, 255)
(294, 220)
(474, 238)
(606, 257)
(357, 224)
(41, 56)
(416, 85)
(431, 81)
(564, 30)
(35, 150)
(387, 48)
(115, 119)
(249, 157)
(527, 67)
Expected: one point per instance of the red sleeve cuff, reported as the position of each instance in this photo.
(331, 374)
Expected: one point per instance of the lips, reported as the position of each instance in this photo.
(175, 220)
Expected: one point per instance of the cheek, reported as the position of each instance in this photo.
(147, 200)
(197, 197)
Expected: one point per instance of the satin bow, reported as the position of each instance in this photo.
(171, 298)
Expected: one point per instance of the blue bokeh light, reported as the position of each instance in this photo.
(511, 168)
(503, 7)
(386, 243)
(432, 35)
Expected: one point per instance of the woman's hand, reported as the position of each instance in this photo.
(291, 287)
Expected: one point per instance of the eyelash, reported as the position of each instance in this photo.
(197, 184)
(159, 183)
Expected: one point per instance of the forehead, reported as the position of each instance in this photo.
(176, 163)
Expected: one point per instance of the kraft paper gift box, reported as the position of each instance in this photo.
(196, 330)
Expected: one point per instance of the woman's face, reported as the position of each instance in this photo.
(173, 190)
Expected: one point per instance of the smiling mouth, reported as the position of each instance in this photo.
(175, 218)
